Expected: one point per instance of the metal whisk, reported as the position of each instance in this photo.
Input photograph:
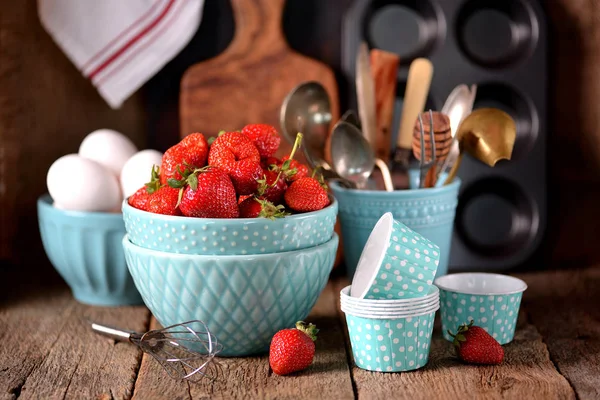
(185, 351)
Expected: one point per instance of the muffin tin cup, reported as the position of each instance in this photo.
(394, 344)
(492, 301)
(396, 262)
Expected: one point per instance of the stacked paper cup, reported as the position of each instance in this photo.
(392, 302)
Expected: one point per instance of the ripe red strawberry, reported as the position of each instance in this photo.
(207, 193)
(474, 345)
(272, 186)
(190, 153)
(164, 201)
(270, 162)
(306, 194)
(254, 207)
(139, 199)
(297, 170)
(293, 349)
(236, 155)
(265, 138)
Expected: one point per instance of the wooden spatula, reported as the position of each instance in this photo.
(249, 80)
(384, 68)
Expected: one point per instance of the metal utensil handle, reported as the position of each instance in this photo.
(111, 332)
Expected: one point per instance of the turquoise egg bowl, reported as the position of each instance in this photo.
(232, 236)
(85, 248)
(244, 300)
(430, 212)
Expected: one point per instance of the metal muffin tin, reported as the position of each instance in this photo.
(500, 45)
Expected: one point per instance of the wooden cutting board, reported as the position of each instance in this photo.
(248, 82)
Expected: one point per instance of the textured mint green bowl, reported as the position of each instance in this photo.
(244, 300)
(229, 236)
(85, 248)
(429, 212)
(492, 301)
(390, 345)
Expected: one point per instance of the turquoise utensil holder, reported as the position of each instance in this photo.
(429, 212)
(390, 344)
(492, 301)
(85, 248)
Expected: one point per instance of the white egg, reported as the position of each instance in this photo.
(109, 148)
(137, 170)
(76, 183)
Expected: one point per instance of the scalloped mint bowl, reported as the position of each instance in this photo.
(244, 300)
(430, 212)
(85, 248)
(232, 236)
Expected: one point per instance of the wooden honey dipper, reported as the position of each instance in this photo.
(442, 137)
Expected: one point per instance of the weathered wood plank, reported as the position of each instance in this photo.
(48, 350)
(250, 377)
(527, 373)
(563, 305)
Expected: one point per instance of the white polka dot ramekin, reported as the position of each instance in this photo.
(229, 236)
(492, 301)
(391, 344)
(396, 263)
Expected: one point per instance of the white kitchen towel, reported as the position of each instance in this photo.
(120, 44)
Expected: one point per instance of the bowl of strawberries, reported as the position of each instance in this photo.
(231, 197)
(229, 234)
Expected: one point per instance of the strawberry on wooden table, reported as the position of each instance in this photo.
(293, 349)
(265, 138)
(189, 154)
(207, 193)
(236, 155)
(474, 345)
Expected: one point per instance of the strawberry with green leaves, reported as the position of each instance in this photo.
(265, 138)
(189, 154)
(293, 349)
(307, 194)
(474, 345)
(206, 193)
(164, 201)
(237, 156)
(140, 199)
(255, 207)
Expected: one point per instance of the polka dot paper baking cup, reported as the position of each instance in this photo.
(390, 345)
(229, 236)
(380, 306)
(492, 301)
(396, 263)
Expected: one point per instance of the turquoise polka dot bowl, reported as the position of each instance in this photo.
(244, 300)
(492, 301)
(390, 344)
(85, 248)
(233, 236)
(429, 211)
(396, 263)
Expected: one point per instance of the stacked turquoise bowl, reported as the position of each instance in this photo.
(245, 278)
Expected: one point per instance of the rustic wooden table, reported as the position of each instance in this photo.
(48, 352)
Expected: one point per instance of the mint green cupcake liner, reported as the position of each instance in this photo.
(390, 345)
(396, 263)
(496, 311)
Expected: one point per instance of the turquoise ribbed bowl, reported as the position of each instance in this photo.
(244, 300)
(492, 301)
(429, 212)
(85, 248)
(232, 236)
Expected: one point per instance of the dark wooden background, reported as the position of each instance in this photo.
(47, 107)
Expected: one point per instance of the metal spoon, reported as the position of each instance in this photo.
(488, 134)
(457, 107)
(353, 158)
(307, 108)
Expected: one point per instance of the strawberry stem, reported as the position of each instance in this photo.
(310, 330)
(286, 163)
